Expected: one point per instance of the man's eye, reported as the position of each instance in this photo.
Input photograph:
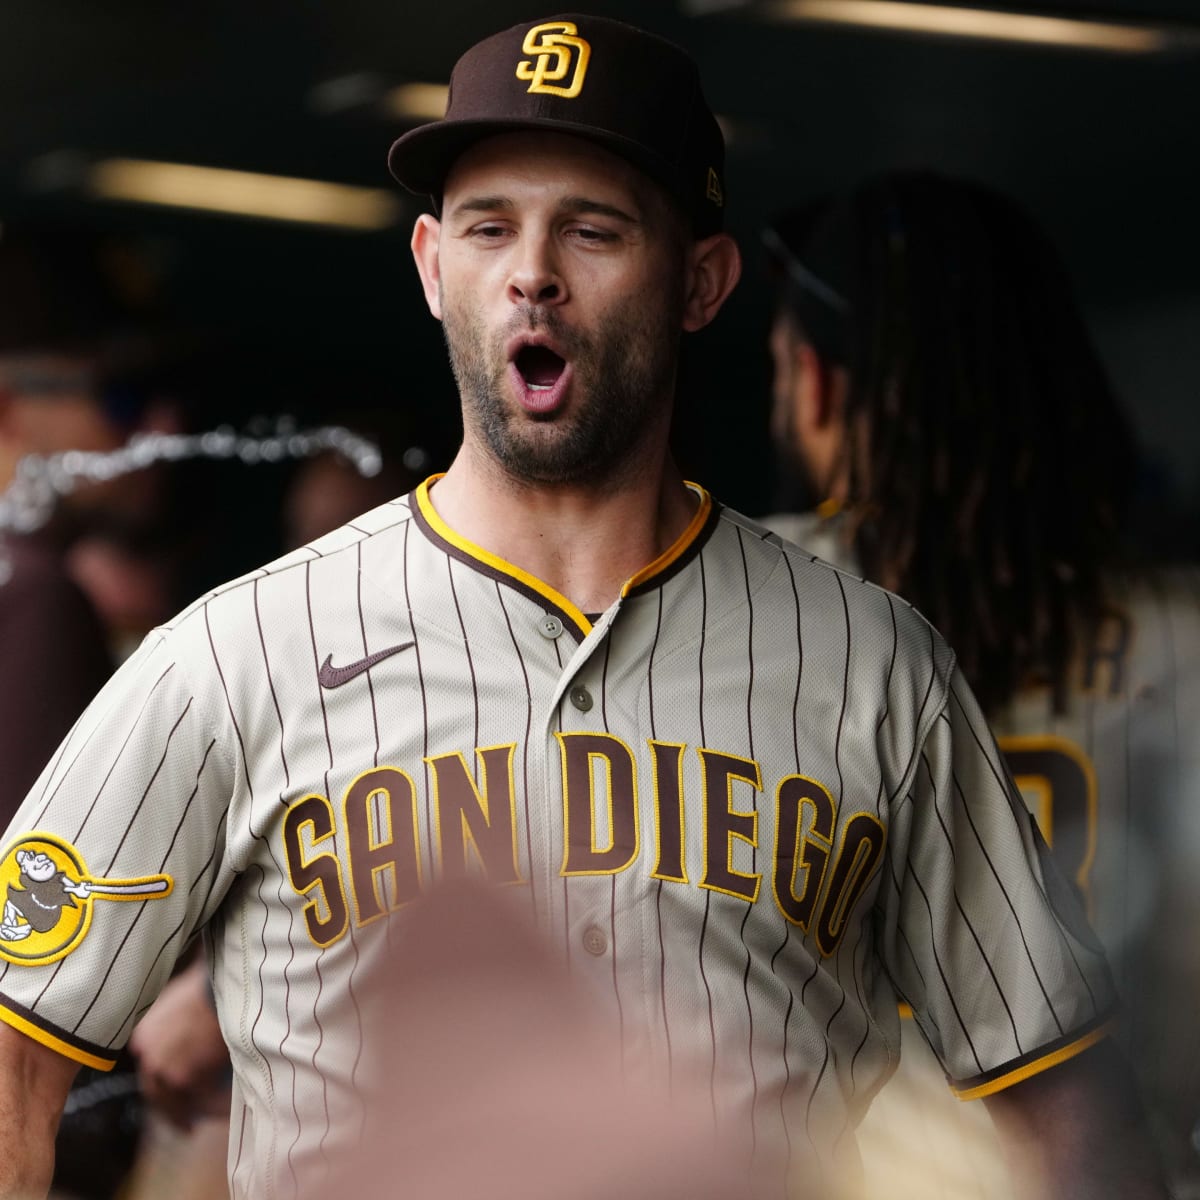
(588, 233)
(489, 232)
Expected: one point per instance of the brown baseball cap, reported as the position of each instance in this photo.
(632, 92)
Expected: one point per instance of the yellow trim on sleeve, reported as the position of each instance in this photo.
(494, 560)
(1038, 1066)
(681, 544)
(57, 1044)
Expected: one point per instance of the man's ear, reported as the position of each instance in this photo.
(820, 389)
(426, 238)
(714, 267)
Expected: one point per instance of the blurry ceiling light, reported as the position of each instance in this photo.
(243, 193)
(416, 101)
(973, 22)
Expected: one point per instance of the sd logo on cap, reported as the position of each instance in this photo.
(555, 46)
(570, 74)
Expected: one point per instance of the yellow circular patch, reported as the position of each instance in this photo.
(47, 894)
(32, 904)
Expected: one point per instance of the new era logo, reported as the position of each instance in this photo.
(714, 191)
(330, 676)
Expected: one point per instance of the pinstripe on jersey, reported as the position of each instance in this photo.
(1131, 844)
(1114, 781)
(750, 803)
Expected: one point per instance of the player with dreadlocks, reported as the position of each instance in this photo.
(935, 389)
(933, 323)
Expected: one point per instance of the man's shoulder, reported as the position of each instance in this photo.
(340, 550)
(1168, 592)
(829, 592)
(1150, 621)
(1150, 630)
(821, 536)
(835, 567)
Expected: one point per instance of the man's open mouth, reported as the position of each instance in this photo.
(540, 367)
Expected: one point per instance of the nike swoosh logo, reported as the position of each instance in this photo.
(330, 676)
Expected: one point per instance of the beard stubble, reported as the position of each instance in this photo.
(624, 374)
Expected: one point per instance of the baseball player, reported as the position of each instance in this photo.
(748, 799)
(936, 385)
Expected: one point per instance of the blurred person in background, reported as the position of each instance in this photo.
(81, 328)
(327, 491)
(179, 527)
(938, 398)
(62, 320)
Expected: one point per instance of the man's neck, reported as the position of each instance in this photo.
(584, 541)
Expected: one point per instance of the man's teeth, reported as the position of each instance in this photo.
(540, 387)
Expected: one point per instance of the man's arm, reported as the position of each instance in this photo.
(34, 1081)
(1076, 1131)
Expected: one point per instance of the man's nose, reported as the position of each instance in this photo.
(536, 277)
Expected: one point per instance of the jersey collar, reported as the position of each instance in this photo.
(653, 575)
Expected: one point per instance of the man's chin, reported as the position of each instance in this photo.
(542, 471)
(545, 454)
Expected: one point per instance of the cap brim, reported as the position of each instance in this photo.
(421, 159)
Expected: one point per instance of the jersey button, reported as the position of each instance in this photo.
(594, 941)
(581, 698)
(550, 626)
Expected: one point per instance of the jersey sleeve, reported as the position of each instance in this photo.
(113, 860)
(982, 934)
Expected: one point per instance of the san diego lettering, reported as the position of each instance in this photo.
(814, 884)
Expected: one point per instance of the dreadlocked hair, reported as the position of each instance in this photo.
(989, 462)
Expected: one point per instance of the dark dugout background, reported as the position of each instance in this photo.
(329, 324)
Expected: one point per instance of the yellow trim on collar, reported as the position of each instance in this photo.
(1036, 1067)
(57, 1044)
(661, 563)
(494, 560)
(682, 543)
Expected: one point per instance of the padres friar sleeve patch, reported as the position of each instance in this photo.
(49, 895)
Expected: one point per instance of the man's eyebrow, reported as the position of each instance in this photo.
(478, 204)
(575, 205)
(584, 204)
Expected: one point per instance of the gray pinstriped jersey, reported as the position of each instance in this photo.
(750, 803)
(1115, 784)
